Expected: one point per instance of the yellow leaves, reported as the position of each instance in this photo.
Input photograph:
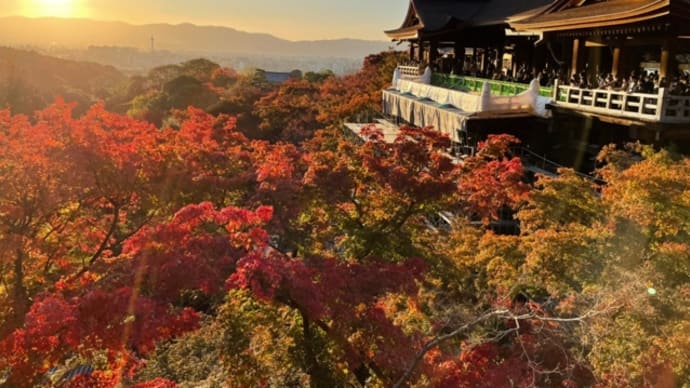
(563, 260)
(405, 313)
(567, 198)
(501, 258)
(653, 192)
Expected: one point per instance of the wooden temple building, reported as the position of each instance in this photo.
(614, 71)
(475, 31)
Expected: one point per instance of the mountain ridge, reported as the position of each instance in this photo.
(182, 37)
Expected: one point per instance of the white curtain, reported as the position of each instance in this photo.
(424, 113)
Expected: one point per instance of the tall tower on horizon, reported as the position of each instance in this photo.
(153, 44)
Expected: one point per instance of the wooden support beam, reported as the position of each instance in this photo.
(615, 66)
(433, 51)
(540, 53)
(474, 59)
(459, 53)
(665, 67)
(574, 63)
(459, 50)
(411, 51)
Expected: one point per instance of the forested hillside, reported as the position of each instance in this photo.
(247, 241)
(30, 81)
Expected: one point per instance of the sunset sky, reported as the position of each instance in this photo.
(290, 19)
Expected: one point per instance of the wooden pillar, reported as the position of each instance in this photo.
(517, 57)
(565, 51)
(663, 67)
(540, 55)
(574, 63)
(459, 53)
(522, 56)
(666, 67)
(420, 51)
(485, 60)
(411, 51)
(433, 51)
(616, 63)
(533, 59)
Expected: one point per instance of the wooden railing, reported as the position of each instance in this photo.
(474, 84)
(676, 109)
(660, 107)
(530, 158)
(640, 106)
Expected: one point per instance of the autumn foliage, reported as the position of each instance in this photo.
(201, 253)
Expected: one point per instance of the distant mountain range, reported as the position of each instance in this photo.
(189, 38)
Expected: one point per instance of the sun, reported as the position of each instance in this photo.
(57, 8)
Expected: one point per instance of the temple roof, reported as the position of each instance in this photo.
(436, 15)
(571, 15)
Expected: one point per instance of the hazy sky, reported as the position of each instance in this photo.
(291, 19)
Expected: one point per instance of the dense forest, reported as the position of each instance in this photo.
(202, 227)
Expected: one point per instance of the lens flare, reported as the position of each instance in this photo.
(57, 8)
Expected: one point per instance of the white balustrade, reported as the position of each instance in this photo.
(660, 107)
(676, 109)
(410, 71)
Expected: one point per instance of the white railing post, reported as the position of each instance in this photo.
(661, 104)
(624, 102)
(640, 109)
(609, 98)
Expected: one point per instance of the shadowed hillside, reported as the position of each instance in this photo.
(30, 81)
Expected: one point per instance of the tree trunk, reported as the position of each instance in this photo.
(317, 374)
(19, 297)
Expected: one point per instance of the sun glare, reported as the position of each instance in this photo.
(58, 8)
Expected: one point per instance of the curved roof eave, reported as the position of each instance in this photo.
(593, 16)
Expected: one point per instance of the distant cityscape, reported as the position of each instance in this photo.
(132, 61)
(137, 49)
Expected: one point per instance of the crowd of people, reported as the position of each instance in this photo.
(636, 82)
(639, 81)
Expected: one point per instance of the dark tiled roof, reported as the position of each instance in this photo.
(497, 11)
(437, 14)
(275, 77)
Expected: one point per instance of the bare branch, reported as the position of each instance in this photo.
(502, 314)
(438, 340)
